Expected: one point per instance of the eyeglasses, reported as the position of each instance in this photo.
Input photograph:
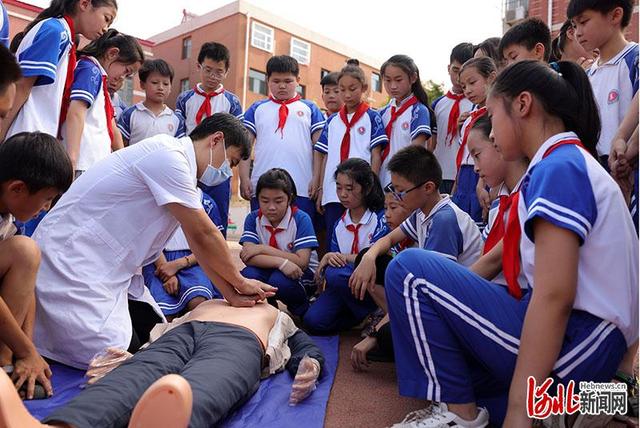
(213, 73)
(400, 195)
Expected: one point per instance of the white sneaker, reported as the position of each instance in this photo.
(438, 416)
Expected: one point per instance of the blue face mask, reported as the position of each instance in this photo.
(213, 176)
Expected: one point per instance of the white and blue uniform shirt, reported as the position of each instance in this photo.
(372, 224)
(297, 233)
(4, 25)
(87, 86)
(467, 159)
(119, 106)
(178, 242)
(447, 230)
(138, 123)
(590, 204)
(290, 149)
(189, 102)
(413, 122)
(43, 53)
(446, 150)
(366, 134)
(614, 84)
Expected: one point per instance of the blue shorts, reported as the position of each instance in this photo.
(465, 196)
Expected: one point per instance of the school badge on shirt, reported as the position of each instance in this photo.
(613, 97)
(361, 130)
(405, 125)
(300, 113)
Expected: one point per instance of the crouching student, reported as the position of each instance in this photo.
(34, 169)
(278, 243)
(176, 281)
(197, 370)
(579, 322)
(359, 191)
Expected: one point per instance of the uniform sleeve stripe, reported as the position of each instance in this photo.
(240, 117)
(249, 233)
(47, 71)
(125, 134)
(82, 97)
(306, 240)
(547, 213)
(246, 238)
(420, 130)
(322, 148)
(318, 125)
(250, 125)
(561, 211)
(409, 230)
(38, 63)
(82, 92)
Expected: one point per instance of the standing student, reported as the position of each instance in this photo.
(90, 132)
(360, 193)
(47, 57)
(206, 98)
(447, 110)
(529, 39)
(406, 118)
(476, 76)
(285, 128)
(489, 48)
(565, 47)
(580, 320)
(119, 106)
(614, 76)
(152, 116)
(278, 243)
(331, 93)
(356, 131)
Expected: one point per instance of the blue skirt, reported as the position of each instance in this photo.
(193, 283)
(465, 196)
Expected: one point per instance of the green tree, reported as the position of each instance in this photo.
(434, 90)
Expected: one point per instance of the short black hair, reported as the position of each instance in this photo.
(235, 134)
(159, 66)
(280, 179)
(282, 64)
(462, 53)
(490, 49)
(527, 33)
(417, 164)
(216, 52)
(576, 7)
(38, 160)
(330, 79)
(10, 69)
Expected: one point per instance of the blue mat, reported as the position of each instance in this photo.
(267, 408)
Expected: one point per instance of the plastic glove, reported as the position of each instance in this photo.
(305, 381)
(103, 362)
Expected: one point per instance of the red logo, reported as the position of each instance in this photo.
(613, 97)
(541, 405)
(361, 130)
(300, 113)
(290, 246)
(405, 125)
(170, 126)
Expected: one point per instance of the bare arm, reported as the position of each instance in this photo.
(376, 159)
(23, 90)
(315, 184)
(421, 140)
(556, 276)
(300, 258)
(321, 171)
(432, 143)
(75, 125)
(118, 141)
(489, 265)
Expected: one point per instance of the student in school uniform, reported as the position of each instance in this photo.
(614, 76)
(447, 110)
(407, 119)
(89, 132)
(331, 93)
(285, 127)
(279, 243)
(360, 193)
(47, 57)
(152, 116)
(529, 39)
(206, 98)
(356, 131)
(119, 106)
(120, 215)
(578, 323)
(176, 281)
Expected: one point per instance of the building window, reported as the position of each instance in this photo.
(126, 92)
(186, 48)
(184, 85)
(258, 82)
(323, 72)
(375, 82)
(262, 37)
(301, 90)
(301, 51)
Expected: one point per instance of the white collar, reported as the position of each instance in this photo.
(616, 59)
(444, 201)
(218, 90)
(96, 62)
(284, 223)
(366, 218)
(545, 146)
(396, 104)
(166, 112)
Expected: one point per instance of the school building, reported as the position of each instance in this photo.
(253, 35)
(553, 12)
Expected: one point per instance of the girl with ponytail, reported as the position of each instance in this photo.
(568, 230)
(46, 53)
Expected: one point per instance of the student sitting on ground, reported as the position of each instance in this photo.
(279, 242)
(176, 281)
(218, 354)
(359, 191)
(34, 169)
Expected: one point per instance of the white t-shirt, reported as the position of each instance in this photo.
(189, 102)
(446, 148)
(112, 221)
(138, 123)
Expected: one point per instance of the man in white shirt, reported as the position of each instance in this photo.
(117, 217)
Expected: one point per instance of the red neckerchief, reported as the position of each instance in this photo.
(283, 112)
(511, 244)
(108, 108)
(345, 146)
(475, 115)
(68, 82)
(205, 108)
(497, 229)
(454, 114)
(273, 242)
(395, 114)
